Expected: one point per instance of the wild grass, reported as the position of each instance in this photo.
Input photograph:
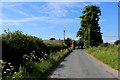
(108, 55)
(39, 69)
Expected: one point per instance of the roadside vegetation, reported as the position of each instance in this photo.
(107, 53)
(38, 69)
(26, 56)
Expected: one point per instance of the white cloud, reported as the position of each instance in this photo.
(74, 11)
(85, 4)
(10, 4)
(21, 12)
(57, 9)
(7, 24)
(96, 3)
(12, 7)
(41, 19)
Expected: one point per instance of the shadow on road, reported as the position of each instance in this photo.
(50, 72)
(61, 66)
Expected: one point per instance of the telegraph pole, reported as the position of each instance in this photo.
(64, 35)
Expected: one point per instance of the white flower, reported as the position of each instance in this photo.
(7, 69)
(45, 54)
(4, 72)
(26, 58)
(9, 63)
(11, 66)
(1, 61)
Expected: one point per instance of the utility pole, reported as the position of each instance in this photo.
(64, 35)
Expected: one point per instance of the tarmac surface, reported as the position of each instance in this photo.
(79, 64)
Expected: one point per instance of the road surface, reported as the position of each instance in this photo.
(79, 64)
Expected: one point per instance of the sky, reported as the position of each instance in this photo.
(50, 19)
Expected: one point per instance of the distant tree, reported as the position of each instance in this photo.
(104, 44)
(117, 42)
(90, 26)
(68, 41)
(52, 38)
(79, 44)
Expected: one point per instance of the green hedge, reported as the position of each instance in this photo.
(16, 44)
(55, 46)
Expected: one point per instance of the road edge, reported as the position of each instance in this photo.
(109, 68)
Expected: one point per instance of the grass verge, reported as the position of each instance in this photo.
(39, 69)
(108, 55)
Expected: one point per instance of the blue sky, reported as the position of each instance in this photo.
(50, 19)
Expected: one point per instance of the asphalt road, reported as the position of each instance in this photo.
(79, 64)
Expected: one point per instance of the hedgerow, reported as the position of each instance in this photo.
(16, 44)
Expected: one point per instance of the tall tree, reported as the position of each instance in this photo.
(90, 29)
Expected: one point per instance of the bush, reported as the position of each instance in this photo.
(117, 42)
(104, 44)
(68, 41)
(52, 38)
(16, 44)
(52, 46)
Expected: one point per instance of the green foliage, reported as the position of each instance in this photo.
(89, 25)
(52, 38)
(39, 69)
(108, 55)
(79, 44)
(104, 44)
(7, 68)
(68, 41)
(117, 42)
(55, 46)
(22, 74)
(27, 50)
(16, 44)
